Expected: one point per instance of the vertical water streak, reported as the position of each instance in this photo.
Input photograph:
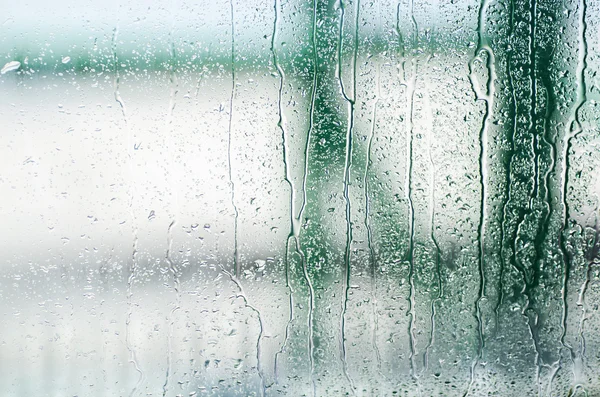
(541, 61)
(288, 180)
(438, 271)
(401, 44)
(533, 90)
(347, 167)
(242, 295)
(488, 98)
(236, 264)
(573, 129)
(134, 228)
(411, 216)
(173, 271)
(410, 94)
(168, 255)
(581, 300)
(372, 258)
(117, 77)
(296, 228)
(579, 362)
(532, 128)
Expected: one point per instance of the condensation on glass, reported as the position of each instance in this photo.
(301, 198)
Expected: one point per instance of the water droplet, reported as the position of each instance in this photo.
(66, 59)
(10, 66)
(260, 265)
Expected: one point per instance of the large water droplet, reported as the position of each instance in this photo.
(10, 66)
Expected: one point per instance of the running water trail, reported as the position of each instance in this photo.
(173, 88)
(244, 297)
(488, 97)
(582, 303)
(432, 212)
(288, 180)
(410, 85)
(298, 220)
(347, 168)
(572, 129)
(236, 265)
(372, 258)
(134, 228)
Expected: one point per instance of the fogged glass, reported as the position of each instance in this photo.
(299, 198)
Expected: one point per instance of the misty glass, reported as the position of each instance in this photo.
(300, 198)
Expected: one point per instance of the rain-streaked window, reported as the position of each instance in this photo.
(300, 198)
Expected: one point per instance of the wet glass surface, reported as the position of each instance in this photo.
(316, 198)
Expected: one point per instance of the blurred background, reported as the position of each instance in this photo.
(319, 198)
